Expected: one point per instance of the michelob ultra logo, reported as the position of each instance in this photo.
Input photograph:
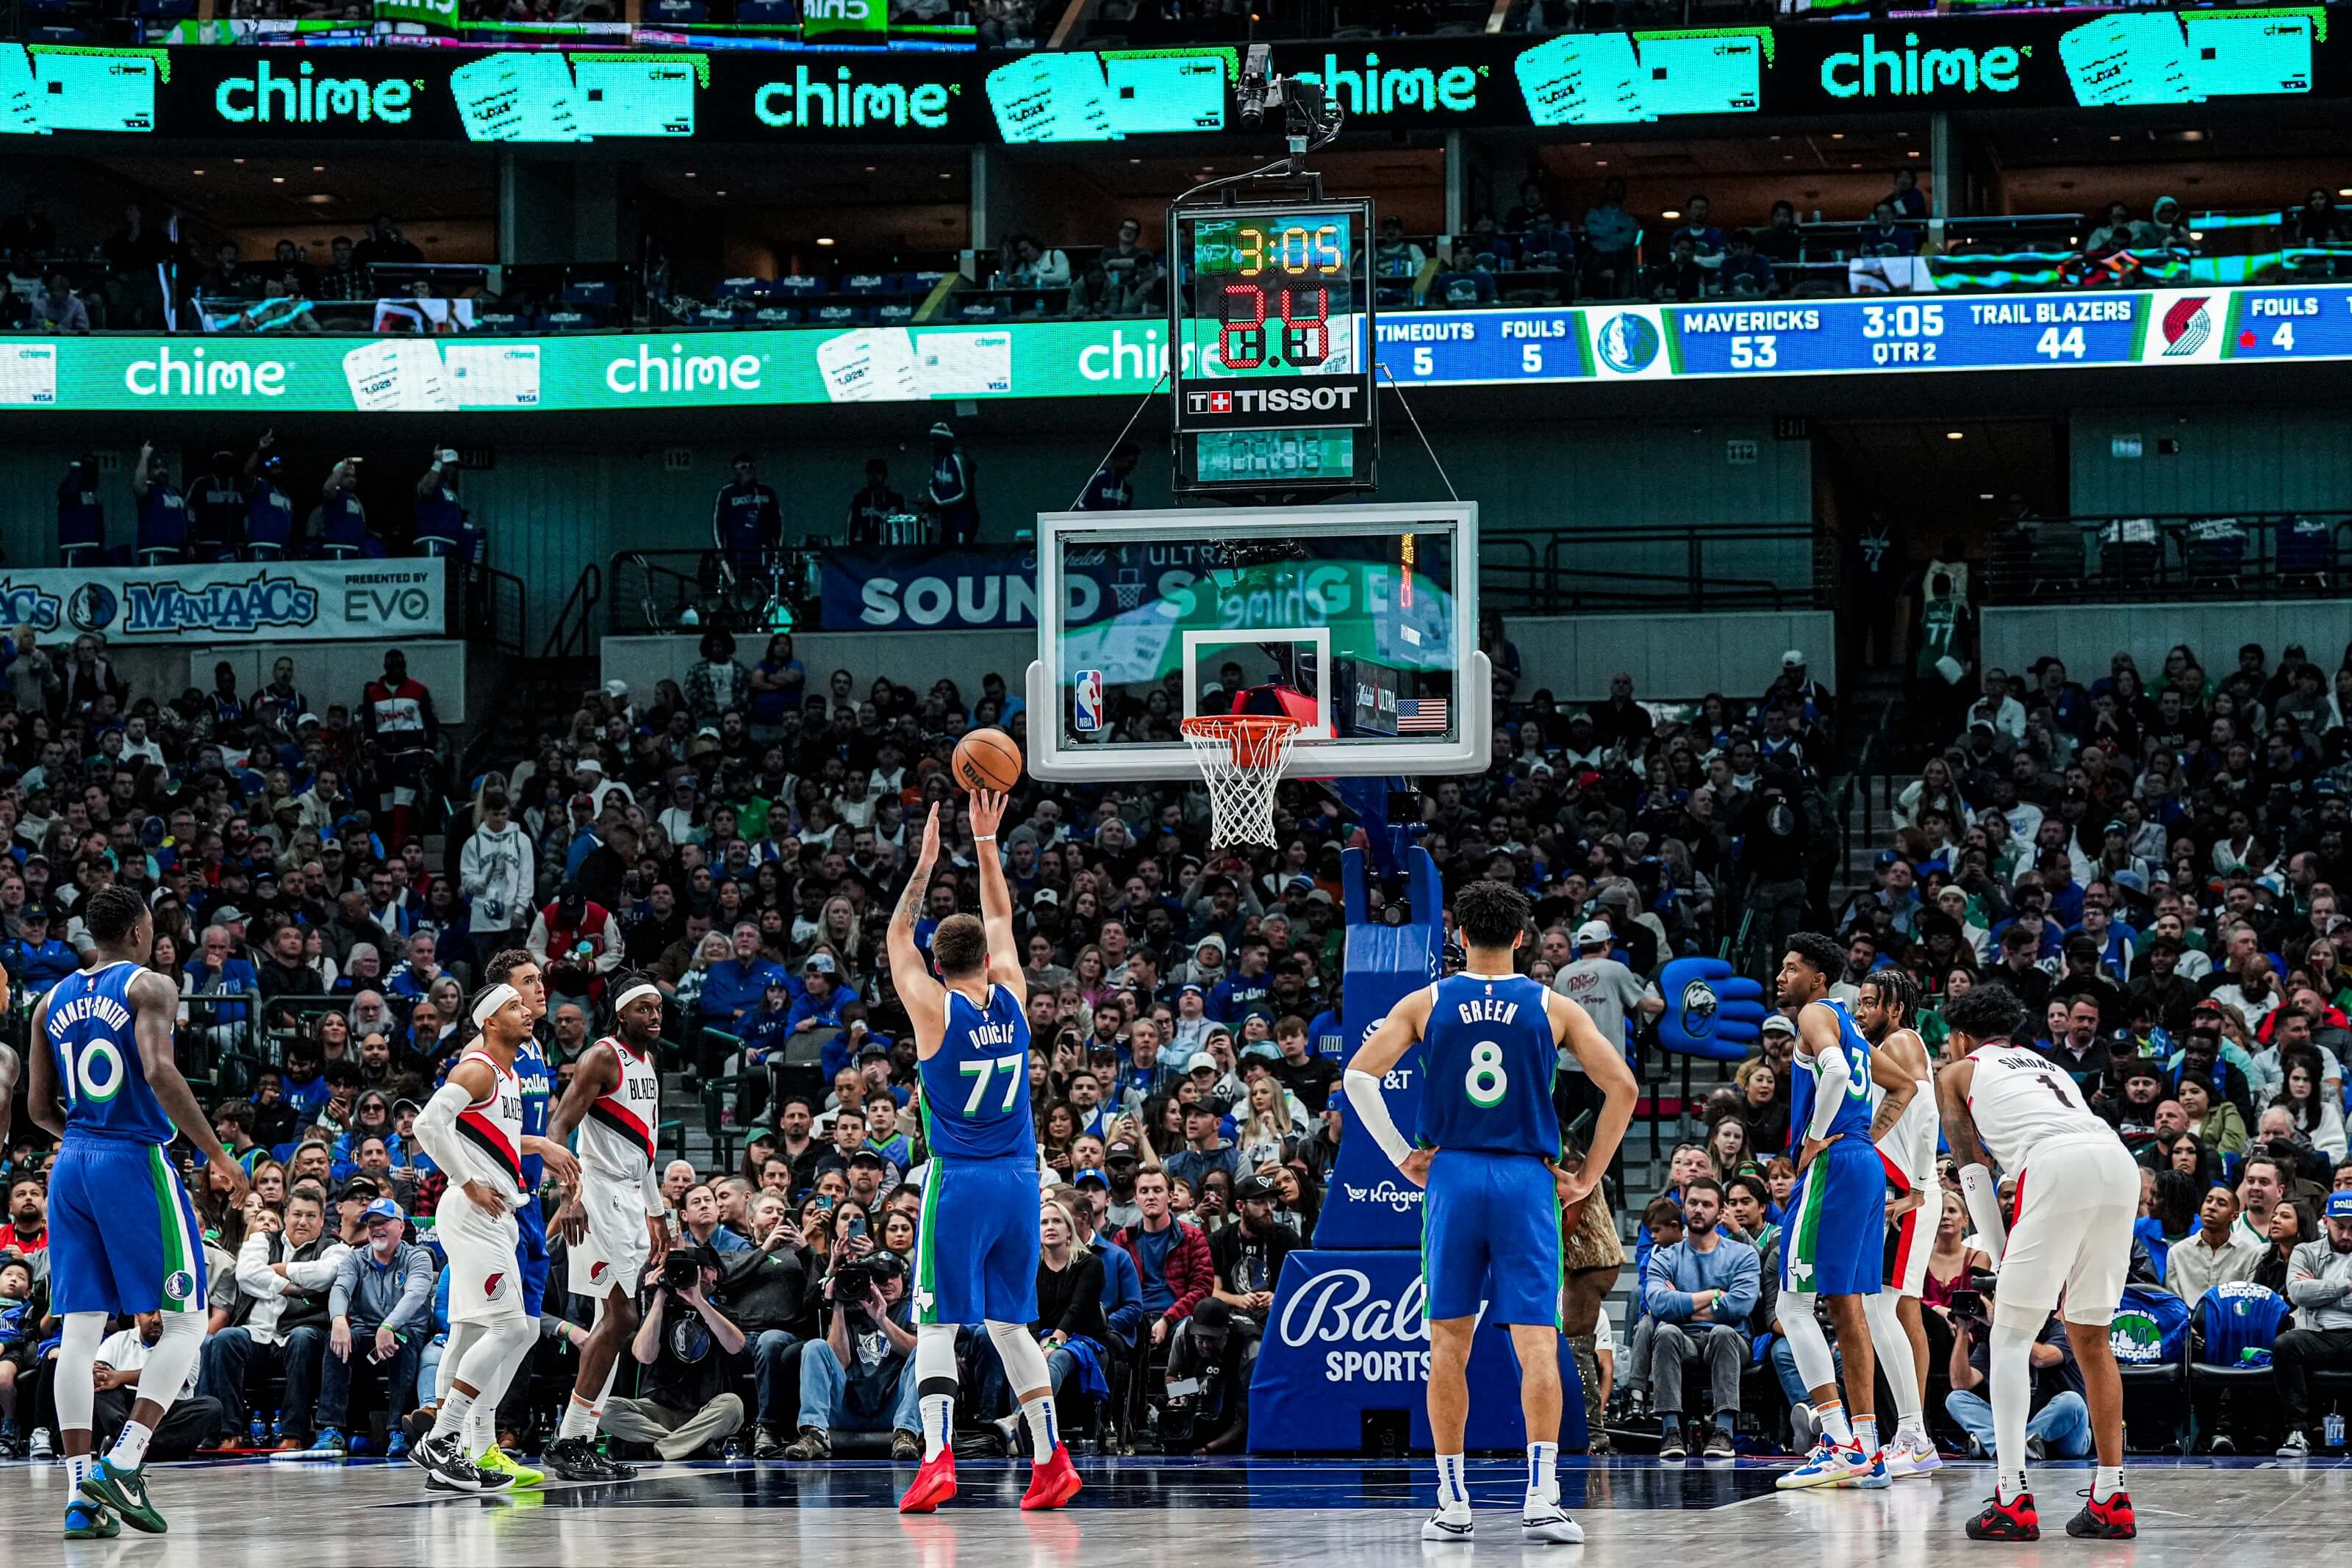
(1910, 71)
(302, 97)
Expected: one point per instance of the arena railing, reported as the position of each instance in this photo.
(2170, 556)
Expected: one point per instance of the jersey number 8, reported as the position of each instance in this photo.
(1485, 1082)
(97, 1075)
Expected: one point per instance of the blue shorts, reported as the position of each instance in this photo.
(1490, 1234)
(123, 1237)
(976, 1248)
(531, 1255)
(1836, 1225)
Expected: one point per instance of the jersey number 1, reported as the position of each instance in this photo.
(1013, 1067)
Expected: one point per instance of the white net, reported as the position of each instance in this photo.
(1241, 759)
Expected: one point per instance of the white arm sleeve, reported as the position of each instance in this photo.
(1832, 1076)
(1373, 1110)
(655, 1205)
(1982, 1195)
(436, 1128)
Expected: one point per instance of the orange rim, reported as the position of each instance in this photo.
(1255, 739)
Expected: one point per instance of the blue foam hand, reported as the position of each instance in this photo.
(1710, 1011)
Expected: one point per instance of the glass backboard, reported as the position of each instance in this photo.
(1359, 622)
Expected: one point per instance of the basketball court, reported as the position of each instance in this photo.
(1176, 1513)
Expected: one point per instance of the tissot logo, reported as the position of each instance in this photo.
(1273, 400)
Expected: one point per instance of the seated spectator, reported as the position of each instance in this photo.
(1171, 1262)
(1745, 273)
(1701, 1292)
(2319, 1287)
(2059, 1427)
(682, 1409)
(766, 1291)
(1706, 240)
(860, 1377)
(1070, 1327)
(121, 1357)
(2213, 1254)
(1247, 1257)
(1679, 276)
(380, 1309)
(1466, 280)
(286, 1277)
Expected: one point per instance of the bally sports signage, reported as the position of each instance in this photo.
(2018, 60)
(1535, 346)
(291, 601)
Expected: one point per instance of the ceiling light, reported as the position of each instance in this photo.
(1837, 135)
(1954, 435)
(1912, 153)
(1670, 212)
(717, 192)
(825, 239)
(196, 171)
(946, 175)
(277, 179)
(2346, 190)
(239, 162)
(689, 173)
(319, 199)
(2115, 139)
(869, 168)
(318, 168)
(1601, 162)
(1984, 495)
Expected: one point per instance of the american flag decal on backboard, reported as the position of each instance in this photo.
(1420, 716)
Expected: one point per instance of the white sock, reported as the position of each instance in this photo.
(579, 1419)
(2107, 1482)
(1831, 1420)
(77, 1472)
(481, 1430)
(1543, 1464)
(1044, 1428)
(938, 1420)
(129, 1450)
(2010, 1372)
(1452, 1483)
(1865, 1434)
(1911, 1432)
(457, 1409)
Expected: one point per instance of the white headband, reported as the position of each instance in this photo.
(642, 988)
(492, 1000)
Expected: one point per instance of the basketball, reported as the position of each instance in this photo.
(987, 759)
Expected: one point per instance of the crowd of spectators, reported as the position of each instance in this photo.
(2154, 876)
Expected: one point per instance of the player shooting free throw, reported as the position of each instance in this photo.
(1488, 1152)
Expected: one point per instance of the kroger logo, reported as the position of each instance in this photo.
(1338, 1307)
(1402, 1200)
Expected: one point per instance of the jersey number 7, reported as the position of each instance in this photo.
(1013, 1067)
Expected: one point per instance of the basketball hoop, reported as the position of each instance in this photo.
(1241, 757)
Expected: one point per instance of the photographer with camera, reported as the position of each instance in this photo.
(686, 1341)
(2059, 1427)
(859, 1377)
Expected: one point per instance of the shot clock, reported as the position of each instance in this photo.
(1272, 323)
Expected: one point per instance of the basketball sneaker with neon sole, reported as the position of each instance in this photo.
(935, 1483)
(496, 1462)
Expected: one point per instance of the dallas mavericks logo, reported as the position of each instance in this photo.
(2135, 1338)
(179, 1285)
(1627, 343)
(92, 607)
(1698, 1009)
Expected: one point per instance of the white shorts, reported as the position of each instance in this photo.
(485, 1278)
(2076, 1200)
(1908, 1241)
(617, 1247)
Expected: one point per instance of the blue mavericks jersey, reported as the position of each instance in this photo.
(1488, 1057)
(538, 1085)
(88, 1031)
(976, 1087)
(1854, 1117)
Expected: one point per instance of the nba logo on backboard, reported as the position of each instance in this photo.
(1087, 690)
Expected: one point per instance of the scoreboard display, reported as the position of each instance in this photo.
(1272, 324)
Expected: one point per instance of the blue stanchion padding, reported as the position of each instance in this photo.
(1367, 1203)
(1348, 1339)
(1710, 1011)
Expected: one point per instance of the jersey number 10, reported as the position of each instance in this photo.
(96, 1074)
(1014, 1069)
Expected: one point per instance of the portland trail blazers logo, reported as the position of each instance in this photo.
(491, 1286)
(596, 1272)
(2187, 324)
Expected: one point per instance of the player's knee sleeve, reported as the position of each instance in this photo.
(77, 1394)
(1024, 1363)
(453, 1356)
(1808, 1346)
(173, 1356)
(935, 1359)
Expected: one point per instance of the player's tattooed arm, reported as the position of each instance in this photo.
(1899, 1089)
(1959, 1128)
